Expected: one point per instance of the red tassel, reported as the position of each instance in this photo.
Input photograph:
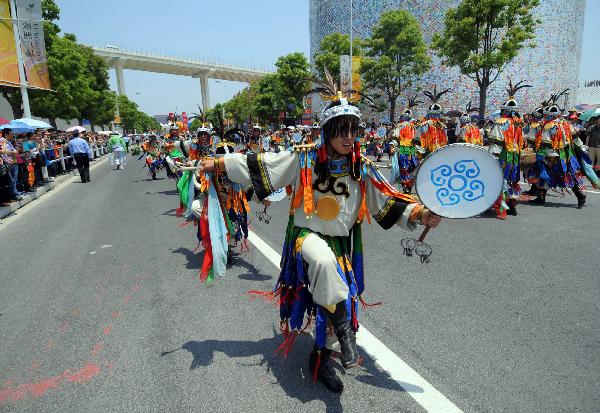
(179, 211)
(322, 153)
(317, 367)
(308, 324)
(184, 224)
(287, 344)
(267, 296)
(366, 305)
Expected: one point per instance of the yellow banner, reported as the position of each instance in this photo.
(356, 83)
(9, 71)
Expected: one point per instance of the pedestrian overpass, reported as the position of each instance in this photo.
(120, 59)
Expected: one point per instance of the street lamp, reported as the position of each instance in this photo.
(222, 105)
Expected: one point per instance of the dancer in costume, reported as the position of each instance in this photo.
(537, 174)
(469, 132)
(334, 190)
(506, 141)
(432, 131)
(566, 159)
(404, 160)
(154, 159)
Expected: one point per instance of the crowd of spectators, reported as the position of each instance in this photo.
(30, 160)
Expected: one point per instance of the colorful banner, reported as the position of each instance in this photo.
(9, 70)
(31, 31)
(184, 120)
(356, 82)
(345, 72)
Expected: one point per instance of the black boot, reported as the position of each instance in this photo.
(229, 256)
(345, 335)
(533, 191)
(580, 197)
(512, 207)
(541, 198)
(326, 372)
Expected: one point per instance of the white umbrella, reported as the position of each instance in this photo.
(34, 123)
(76, 128)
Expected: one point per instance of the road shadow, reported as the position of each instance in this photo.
(291, 374)
(167, 192)
(170, 212)
(253, 273)
(194, 258)
(148, 179)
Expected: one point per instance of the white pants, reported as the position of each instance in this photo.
(326, 285)
(119, 158)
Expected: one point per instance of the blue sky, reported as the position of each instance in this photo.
(239, 32)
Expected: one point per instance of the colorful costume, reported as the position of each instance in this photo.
(566, 159)
(432, 131)
(405, 160)
(469, 131)
(322, 279)
(506, 141)
(154, 159)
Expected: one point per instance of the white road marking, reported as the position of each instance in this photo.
(423, 393)
(92, 252)
(586, 191)
(38, 201)
(106, 246)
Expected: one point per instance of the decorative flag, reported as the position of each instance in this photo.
(31, 31)
(9, 70)
(345, 72)
(356, 83)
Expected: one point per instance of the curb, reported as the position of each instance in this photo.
(39, 191)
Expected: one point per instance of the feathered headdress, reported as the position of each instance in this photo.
(552, 108)
(511, 103)
(412, 102)
(204, 125)
(434, 96)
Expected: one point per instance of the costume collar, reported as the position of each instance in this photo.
(339, 167)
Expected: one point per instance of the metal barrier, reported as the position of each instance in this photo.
(96, 150)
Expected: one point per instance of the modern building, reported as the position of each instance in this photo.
(550, 67)
(589, 92)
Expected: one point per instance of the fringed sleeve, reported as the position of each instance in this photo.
(386, 204)
(267, 172)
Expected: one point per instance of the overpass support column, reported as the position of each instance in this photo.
(120, 80)
(204, 92)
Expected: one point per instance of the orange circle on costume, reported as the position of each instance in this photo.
(327, 208)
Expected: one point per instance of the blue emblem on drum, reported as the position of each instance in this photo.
(458, 183)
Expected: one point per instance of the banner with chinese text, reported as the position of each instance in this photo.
(31, 31)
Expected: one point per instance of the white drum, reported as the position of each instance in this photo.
(277, 195)
(459, 181)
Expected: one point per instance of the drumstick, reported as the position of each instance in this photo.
(424, 233)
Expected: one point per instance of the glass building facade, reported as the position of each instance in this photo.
(550, 67)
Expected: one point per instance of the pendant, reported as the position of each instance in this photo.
(327, 208)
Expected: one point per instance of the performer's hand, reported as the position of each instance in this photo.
(207, 165)
(430, 219)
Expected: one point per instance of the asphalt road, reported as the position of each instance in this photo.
(101, 310)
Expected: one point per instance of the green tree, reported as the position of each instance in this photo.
(263, 103)
(396, 54)
(331, 48)
(482, 37)
(239, 107)
(292, 81)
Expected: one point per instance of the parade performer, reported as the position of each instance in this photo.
(404, 160)
(334, 190)
(469, 131)
(117, 145)
(506, 141)
(154, 160)
(566, 159)
(537, 174)
(432, 131)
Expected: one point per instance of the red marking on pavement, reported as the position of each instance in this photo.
(97, 349)
(39, 388)
(49, 345)
(107, 329)
(115, 314)
(64, 326)
(126, 299)
(136, 288)
(34, 365)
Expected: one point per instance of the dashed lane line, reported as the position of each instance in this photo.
(399, 371)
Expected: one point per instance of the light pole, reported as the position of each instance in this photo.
(222, 104)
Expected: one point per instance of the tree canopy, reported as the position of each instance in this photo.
(395, 55)
(331, 48)
(482, 37)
